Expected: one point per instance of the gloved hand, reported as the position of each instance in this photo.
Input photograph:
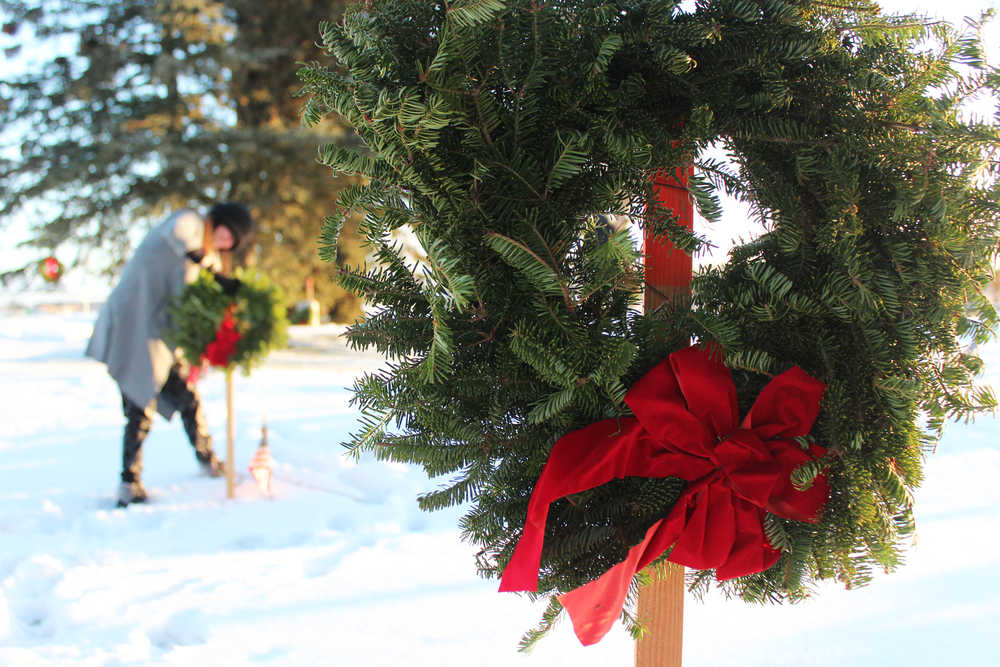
(230, 286)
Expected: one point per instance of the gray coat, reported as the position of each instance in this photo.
(128, 332)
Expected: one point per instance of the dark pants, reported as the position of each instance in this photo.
(138, 421)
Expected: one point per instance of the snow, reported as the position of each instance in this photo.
(339, 567)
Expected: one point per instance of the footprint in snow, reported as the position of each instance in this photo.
(32, 600)
(184, 628)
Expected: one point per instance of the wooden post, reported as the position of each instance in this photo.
(311, 301)
(226, 259)
(668, 274)
(230, 437)
(668, 270)
(661, 609)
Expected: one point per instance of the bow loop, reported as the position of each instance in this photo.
(707, 387)
(787, 407)
(657, 402)
(787, 501)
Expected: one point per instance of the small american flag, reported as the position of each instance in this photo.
(262, 462)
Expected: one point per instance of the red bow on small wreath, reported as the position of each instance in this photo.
(220, 350)
(686, 425)
(51, 269)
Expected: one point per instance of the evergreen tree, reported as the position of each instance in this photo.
(155, 105)
(498, 129)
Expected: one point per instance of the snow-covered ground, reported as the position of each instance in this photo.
(341, 568)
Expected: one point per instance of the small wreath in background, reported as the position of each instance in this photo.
(213, 328)
(51, 269)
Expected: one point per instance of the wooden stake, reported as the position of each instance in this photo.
(311, 301)
(230, 437)
(661, 608)
(226, 259)
(668, 274)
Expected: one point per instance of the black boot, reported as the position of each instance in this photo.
(138, 421)
(131, 492)
(188, 403)
(193, 419)
(212, 466)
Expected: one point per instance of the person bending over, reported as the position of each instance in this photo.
(128, 332)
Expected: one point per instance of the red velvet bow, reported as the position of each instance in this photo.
(219, 351)
(686, 425)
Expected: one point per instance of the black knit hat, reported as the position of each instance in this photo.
(237, 219)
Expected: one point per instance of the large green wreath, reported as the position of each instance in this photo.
(257, 311)
(496, 130)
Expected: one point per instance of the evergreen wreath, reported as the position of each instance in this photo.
(256, 313)
(499, 130)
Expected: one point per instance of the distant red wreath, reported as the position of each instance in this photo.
(51, 269)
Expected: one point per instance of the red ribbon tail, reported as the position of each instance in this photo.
(521, 573)
(594, 607)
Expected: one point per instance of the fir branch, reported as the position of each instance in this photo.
(531, 266)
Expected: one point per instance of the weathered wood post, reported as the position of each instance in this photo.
(668, 274)
(230, 437)
(227, 269)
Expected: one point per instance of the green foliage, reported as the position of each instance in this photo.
(127, 109)
(258, 308)
(195, 316)
(501, 132)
